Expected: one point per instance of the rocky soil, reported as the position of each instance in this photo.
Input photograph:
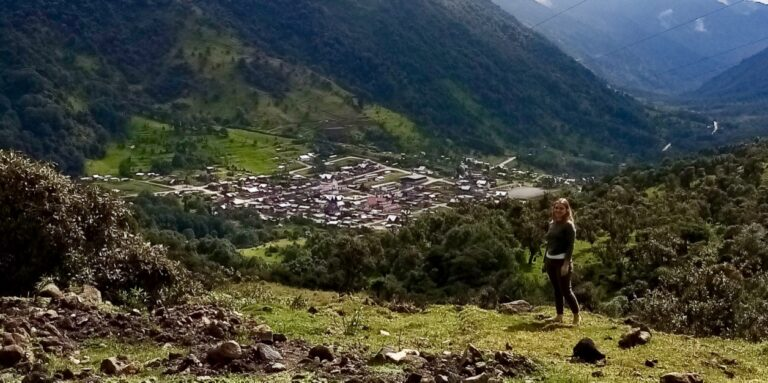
(220, 341)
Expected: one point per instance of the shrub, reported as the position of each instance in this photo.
(76, 234)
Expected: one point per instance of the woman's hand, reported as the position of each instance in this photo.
(566, 268)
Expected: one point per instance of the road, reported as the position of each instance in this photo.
(503, 164)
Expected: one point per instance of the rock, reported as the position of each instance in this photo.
(50, 291)
(267, 353)
(676, 377)
(384, 333)
(634, 337)
(473, 353)
(8, 339)
(65, 374)
(263, 334)
(111, 366)
(651, 363)
(516, 307)
(380, 357)
(37, 377)
(225, 352)
(321, 352)
(11, 355)
(598, 374)
(279, 338)
(312, 310)
(91, 295)
(395, 357)
(482, 378)
(154, 363)
(441, 379)
(275, 368)
(413, 378)
(586, 351)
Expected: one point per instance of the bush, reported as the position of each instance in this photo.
(75, 234)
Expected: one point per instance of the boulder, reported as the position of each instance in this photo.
(267, 353)
(413, 378)
(91, 295)
(111, 366)
(380, 357)
(225, 352)
(275, 368)
(322, 353)
(473, 353)
(586, 351)
(263, 334)
(279, 338)
(676, 377)
(634, 337)
(482, 378)
(50, 290)
(516, 307)
(11, 355)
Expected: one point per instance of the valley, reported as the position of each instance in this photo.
(383, 191)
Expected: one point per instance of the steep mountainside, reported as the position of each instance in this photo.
(467, 74)
(593, 29)
(746, 82)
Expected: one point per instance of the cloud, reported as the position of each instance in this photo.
(665, 17)
(699, 26)
(548, 3)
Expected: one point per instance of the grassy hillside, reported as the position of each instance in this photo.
(150, 144)
(449, 328)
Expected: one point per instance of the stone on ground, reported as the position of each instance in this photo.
(586, 351)
(267, 353)
(322, 353)
(225, 352)
(676, 377)
(516, 307)
(635, 337)
(50, 290)
(11, 355)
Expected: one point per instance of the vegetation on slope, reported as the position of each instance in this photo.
(68, 91)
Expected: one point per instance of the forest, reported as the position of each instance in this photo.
(681, 246)
(69, 88)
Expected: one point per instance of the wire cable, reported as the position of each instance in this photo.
(672, 28)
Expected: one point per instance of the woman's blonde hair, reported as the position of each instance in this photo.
(569, 215)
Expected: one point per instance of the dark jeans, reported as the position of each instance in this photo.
(562, 285)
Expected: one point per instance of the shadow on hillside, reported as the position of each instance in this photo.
(537, 327)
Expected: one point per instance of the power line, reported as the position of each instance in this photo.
(672, 28)
(560, 13)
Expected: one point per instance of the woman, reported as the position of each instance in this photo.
(558, 262)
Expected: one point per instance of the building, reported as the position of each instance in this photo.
(413, 180)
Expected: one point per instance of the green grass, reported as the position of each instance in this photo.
(261, 251)
(398, 126)
(150, 140)
(449, 328)
(446, 328)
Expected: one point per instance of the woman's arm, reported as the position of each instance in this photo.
(570, 236)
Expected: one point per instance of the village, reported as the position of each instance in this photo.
(353, 192)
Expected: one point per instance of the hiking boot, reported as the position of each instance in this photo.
(576, 319)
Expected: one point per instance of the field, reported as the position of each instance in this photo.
(261, 251)
(451, 328)
(150, 141)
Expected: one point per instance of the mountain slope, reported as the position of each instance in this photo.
(463, 69)
(456, 75)
(593, 29)
(746, 82)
